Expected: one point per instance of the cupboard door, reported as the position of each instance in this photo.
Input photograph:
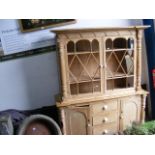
(83, 66)
(130, 111)
(75, 121)
(120, 63)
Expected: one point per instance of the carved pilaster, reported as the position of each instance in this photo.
(63, 74)
(62, 115)
(139, 58)
(143, 108)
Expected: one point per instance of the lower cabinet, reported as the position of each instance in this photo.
(103, 117)
(75, 120)
(130, 111)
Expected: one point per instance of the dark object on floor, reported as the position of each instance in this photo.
(38, 128)
(39, 125)
(18, 116)
(147, 128)
(6, 126)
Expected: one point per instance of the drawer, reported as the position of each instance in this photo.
(104, 107)
(107, 129)
(107, 118)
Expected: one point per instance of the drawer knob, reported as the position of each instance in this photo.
(89, 124)
(105, 132)
(105, 107)
(121, 117)
(105, 120)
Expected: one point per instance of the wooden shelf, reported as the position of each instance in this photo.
(118, 74)
(120, 49)
(84, 79)
(85, 52)
(119, 77)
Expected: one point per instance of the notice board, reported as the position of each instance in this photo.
(35, 40)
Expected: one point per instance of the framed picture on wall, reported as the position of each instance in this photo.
(28, 25)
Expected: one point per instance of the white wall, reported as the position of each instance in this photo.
(28, 83)
(32, 82)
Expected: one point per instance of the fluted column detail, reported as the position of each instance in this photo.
(139, 58)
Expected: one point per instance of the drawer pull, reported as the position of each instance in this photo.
(105, 107)
(89, 124)
(121, 117)
(105, 120)
(105, 132)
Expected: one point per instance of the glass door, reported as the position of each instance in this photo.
(84, 66)
(119, 63)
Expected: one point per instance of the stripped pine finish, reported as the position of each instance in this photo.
(101, 79)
